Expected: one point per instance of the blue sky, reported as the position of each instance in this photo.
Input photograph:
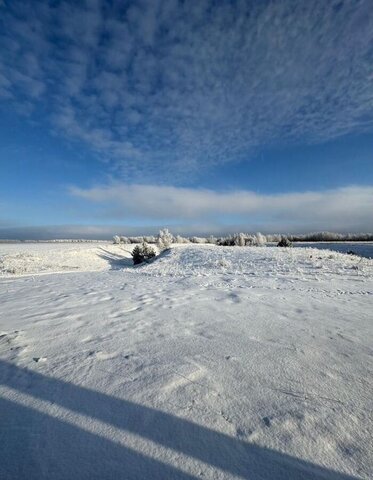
(206, 116)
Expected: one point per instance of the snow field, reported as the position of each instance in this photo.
(210, 362)
(34, 259)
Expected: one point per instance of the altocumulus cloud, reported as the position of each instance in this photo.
(167, 85)
(343, 209)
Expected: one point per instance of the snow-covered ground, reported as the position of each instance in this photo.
(36, 258)
(210, 362)
(364, 249)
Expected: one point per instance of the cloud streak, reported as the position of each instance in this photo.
(342, 209)
(168, 86)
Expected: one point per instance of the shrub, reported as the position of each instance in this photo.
(224, 263)
(142, 253)
(260, 239)
(226, 241)
(198, 240)
(240, 239)
(116, 240)
(150, 239)
(180, 239)
(249, 241)
(165, 238)
(284, 242)
(136, 239)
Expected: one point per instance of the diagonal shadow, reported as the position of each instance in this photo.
(234, 456)
(77, 454)
(115, 261)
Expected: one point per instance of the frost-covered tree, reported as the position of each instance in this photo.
(240, 239)
(165, 238)
(259, 239)
(116, 239)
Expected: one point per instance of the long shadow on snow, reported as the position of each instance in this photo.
(118, 262)
(41, 447)
(115, 261)
(72, 452)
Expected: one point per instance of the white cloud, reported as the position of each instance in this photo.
(343, 209)
(190, 84)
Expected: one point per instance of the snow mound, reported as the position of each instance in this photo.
(261, 262)
(32, 259)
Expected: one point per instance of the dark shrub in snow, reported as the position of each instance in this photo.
(226, 241)
(284, 242)
(142, 253)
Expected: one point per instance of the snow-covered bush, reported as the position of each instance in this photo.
(239, 239)
(180, 239)
(136, 239)
(124, 240)
(249, 240)
(275, 238)
(198, 240)
(226, 241)
(284, 242)
(165, 238)
(150, 239)
(224, 263)
(142, 253)
(257, 240)
(260, 239)
(116, 239)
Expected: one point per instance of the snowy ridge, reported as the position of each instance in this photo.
(260, 265)
(258, 261)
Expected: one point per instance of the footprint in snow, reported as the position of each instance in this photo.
(101, 355)
(243, 433)
(266, 421)
(39, 359)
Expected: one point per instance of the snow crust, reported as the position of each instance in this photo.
(37, 258)
(210, 362)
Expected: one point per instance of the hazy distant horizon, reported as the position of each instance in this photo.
(107, 232)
